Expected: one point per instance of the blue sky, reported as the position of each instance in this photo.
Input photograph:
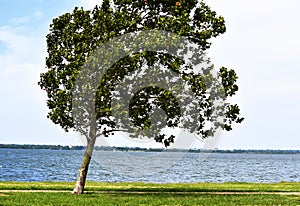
(262, 44)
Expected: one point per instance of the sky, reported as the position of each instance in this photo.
(262, 44)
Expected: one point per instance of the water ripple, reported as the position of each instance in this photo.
(61, 165)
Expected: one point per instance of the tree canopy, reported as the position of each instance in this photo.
(75, 37)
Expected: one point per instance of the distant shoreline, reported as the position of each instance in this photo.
(138, 149)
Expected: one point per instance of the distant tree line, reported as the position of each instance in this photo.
(33, 146)
(132, 149)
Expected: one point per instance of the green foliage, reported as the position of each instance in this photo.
(74, 37)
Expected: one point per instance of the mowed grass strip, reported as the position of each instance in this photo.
(93, 198)
(151, 187)
(98, 193)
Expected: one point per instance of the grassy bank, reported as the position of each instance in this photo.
(58, 193)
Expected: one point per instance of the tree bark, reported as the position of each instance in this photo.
(79, 187)
(83, 170)
(91, 139)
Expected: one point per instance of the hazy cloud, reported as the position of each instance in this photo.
(90, 4)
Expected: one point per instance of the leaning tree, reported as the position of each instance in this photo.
(75, 37)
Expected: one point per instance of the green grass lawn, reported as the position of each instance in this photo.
(59, 193)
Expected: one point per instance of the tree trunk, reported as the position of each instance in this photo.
(91, 139)
(79, 187)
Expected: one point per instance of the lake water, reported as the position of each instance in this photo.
(109, 166)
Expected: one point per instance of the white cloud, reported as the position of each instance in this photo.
(262, 42)
(23, 103)
(21, 62)
(28, 18)
(38, 14)
(14, 41)
(21, 20)
(22, 51)
(90, 4)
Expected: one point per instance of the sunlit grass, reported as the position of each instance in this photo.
(99, 193)
(144, 199)
(139, 186)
